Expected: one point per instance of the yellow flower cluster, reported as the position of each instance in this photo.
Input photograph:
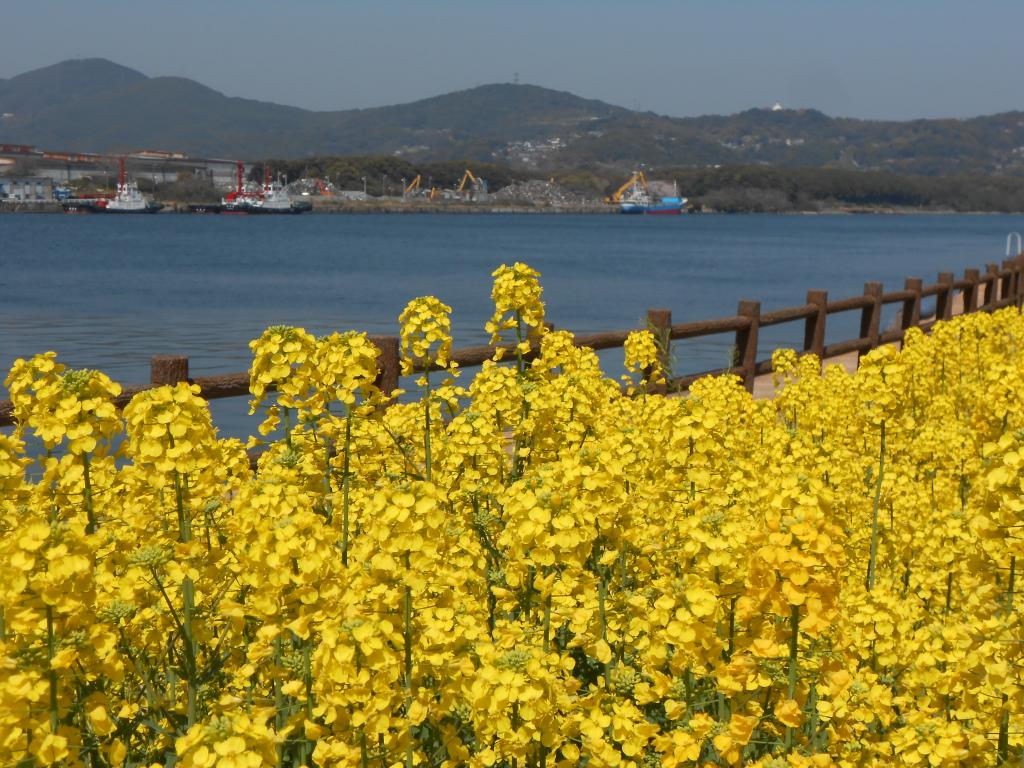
(642, 357)
(425, 322)
(534, 570)
(516, 297)
(59, 404)
(310, 374)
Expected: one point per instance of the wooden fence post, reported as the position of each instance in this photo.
(388, 367)
(1018, 262)
(944, 299)
(870, 317)
(814, 326)
(911, 314)
(746, 341)
(1007, 281)
(992, 286)
(1014, 267)
(659, 322)
(168, 369)
(970, 293)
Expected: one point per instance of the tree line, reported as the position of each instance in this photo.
(767, 189)
(734, 189)
(384, 174)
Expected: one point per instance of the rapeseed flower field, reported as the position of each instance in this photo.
(532, 567)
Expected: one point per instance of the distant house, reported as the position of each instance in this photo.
(25, 189)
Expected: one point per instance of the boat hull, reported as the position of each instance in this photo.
(78, 206)
(206, 208)
(93, 206)
(151, 208)
(640, 202)
(259, 210)
(650, 210)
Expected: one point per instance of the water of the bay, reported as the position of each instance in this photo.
(109, 292)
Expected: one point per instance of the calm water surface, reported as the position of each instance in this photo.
(110, 292)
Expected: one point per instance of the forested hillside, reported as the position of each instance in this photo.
(96, 105)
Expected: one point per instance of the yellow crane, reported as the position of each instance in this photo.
(414, 185)
(637, 179)
(468, 176)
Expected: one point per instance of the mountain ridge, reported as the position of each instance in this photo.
(101, 106)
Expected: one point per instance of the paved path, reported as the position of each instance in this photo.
(763, 387)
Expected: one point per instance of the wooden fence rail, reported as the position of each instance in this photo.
(998, 286)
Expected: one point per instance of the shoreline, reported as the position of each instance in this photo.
(517, 209)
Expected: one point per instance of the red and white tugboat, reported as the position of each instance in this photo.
(277, 200)
(249, 198)
(127, 199)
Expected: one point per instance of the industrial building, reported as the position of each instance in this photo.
(65, 167)
(28, 189)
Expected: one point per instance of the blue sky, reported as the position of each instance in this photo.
(898, 59)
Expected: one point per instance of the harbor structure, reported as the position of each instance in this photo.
(63, 167)
(26, 189)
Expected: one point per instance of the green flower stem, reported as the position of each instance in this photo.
(190, 658)
(693, 484)
(208, 526)
(363, 755)
(407, 677)
(519, 339)
(813, 725)
(280, 717)
(188, 597)
(602, 589)
(50, 637)
(1009, 586)
(732, 628)
(530, 575)
(873, 553)
(51, 672)
(547, 623)
(1003, 745)
(188, 593)
(91, 525)
(794, 660)
(140, 670)
(346, 480)
(426, 413)
(328, 508)
(287, 426)
(172, 685)
(307, 670)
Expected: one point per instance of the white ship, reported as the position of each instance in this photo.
(127, 199)
(271, 197)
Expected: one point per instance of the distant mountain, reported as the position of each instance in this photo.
(41, 90)
(97, 105)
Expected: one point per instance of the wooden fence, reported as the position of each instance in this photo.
(996, 287)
